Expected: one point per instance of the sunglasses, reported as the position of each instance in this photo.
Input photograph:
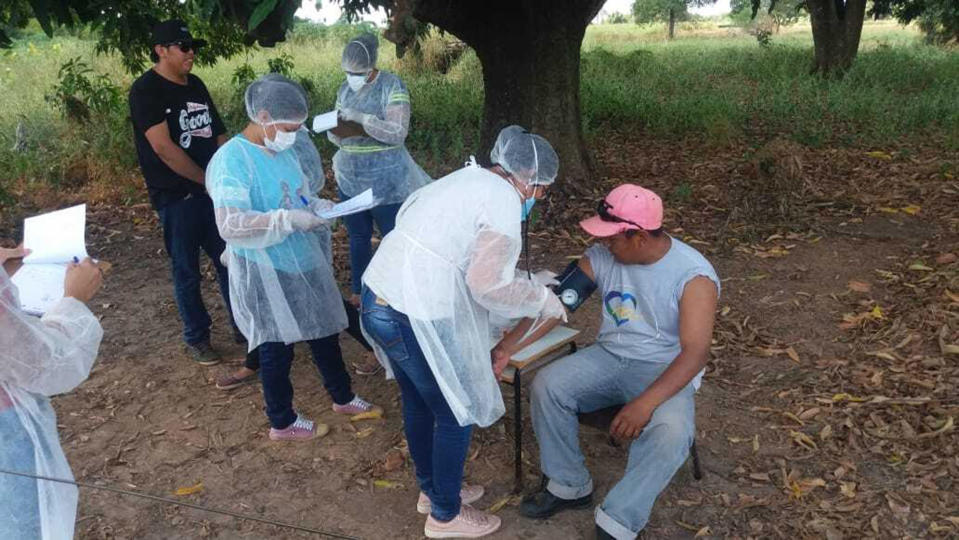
(603, 210)
(184, 46)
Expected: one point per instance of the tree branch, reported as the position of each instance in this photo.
(461, 18)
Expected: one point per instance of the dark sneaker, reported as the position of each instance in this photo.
(204, 354)
(543, 504)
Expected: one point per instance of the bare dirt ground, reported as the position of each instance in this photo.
(828, 409)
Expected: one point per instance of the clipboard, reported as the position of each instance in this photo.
(346, 128)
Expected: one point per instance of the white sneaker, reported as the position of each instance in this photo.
(470, 523)
(468, 494)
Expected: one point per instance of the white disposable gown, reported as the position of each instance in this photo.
(448, 265)
(378, 160)
(39, 358)
(282, 287)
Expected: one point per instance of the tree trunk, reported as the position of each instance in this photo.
(530, 54)
(672, 24)
(836, 29)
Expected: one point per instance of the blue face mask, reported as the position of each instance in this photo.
(527, 207)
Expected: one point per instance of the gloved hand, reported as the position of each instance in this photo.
(318, 206)
(353, 115)
(303, 220)
(554, 308)
(545, 277)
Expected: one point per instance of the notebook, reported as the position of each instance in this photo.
(55, 239)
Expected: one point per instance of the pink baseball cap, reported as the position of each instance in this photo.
(627, 207)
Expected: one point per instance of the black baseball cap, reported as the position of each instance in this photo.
(174, 31)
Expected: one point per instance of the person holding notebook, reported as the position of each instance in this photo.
(39, 358)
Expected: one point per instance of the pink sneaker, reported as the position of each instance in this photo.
(468, 494)
(470, 523)
(300, 430)
(357, 406)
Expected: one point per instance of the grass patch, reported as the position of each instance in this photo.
(710, 82)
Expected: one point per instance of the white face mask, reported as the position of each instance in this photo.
(280, 142)
(356, 81)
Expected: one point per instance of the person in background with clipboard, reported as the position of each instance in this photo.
(39, 358)
(374, 112)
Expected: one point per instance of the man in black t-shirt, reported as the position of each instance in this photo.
(177, 129)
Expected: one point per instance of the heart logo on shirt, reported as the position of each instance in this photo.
(618, 306)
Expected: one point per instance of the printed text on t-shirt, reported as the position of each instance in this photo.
(195, 121)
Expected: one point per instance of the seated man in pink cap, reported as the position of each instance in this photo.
(659, 299)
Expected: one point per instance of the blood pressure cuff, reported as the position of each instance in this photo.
(574, 286)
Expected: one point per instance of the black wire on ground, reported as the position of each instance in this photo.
(186, 504)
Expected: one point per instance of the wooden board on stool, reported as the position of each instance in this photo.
(536, 354)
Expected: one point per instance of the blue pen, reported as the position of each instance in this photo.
(306, 202)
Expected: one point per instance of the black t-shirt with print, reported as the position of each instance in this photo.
(194, 125)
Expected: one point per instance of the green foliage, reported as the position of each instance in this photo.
(647, 11)
(713, 89)
(124, 26)
(14, 15)
(722, 89)
(234, 111)
(260, 13)
(770, 15)
(243, 75)
(938, 19)
(764, 37)
(79, 91)
(334, 35)
(282, 64)
(617, 18)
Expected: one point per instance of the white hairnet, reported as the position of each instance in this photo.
(525, 155)
(40, 357)
(359, 55)
(282, 99)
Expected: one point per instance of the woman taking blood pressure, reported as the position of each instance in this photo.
(427, 298)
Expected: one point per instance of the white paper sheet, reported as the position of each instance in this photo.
(40, 286)
(363, 201)
(56, 237)
(325, 121)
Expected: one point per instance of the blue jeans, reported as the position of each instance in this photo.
(359, 226)
(188, 226)
(438, 444)
(19, 505)
(275, 361)
(590, 380)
